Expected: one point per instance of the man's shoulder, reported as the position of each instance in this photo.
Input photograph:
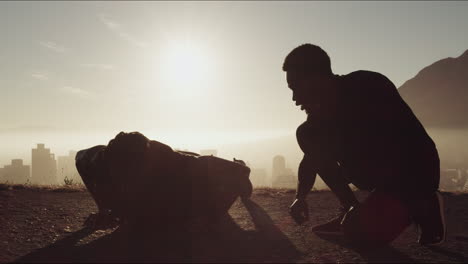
(368, 82)
(363, 75)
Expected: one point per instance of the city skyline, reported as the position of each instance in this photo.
(45, 168)
(48, 168)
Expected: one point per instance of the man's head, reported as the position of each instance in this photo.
(309, 76)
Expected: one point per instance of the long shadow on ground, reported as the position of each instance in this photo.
(229, 243)
(223, 241)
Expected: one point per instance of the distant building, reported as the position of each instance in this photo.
(44, 166)
(209, 152)
(453, 179)
(66, 168)
(258, 177)
(282, 177)
(15, 173)
(279, 166)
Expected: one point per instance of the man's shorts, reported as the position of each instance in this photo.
(408, 173)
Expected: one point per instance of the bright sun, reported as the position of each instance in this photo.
(185, 79)
(185, 66)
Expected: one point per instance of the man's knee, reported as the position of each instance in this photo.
(315, 143)
(308, 137)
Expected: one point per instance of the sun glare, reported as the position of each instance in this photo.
(185, 66)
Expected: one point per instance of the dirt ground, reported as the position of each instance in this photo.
(46, 225)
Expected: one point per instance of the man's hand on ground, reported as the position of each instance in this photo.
(299, 211)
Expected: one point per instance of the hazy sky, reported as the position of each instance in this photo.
(194, 74)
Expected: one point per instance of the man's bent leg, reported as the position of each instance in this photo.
(330, 173)
(380, 219)
(428, 210)
(418, 187)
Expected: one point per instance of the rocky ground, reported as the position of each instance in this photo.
(46, 225)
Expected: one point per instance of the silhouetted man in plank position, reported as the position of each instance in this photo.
(360, 131)
(134, 180)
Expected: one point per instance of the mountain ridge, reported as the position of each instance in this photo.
(438, 94)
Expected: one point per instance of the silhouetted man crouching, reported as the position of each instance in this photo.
(360, 131)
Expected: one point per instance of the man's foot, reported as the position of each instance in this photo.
(332, 227)
(431, 221)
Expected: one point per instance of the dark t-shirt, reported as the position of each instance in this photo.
(374, 118)
(373, 131)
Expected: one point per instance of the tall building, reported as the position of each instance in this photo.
(282, 177)
(209, 152)
(66, 168)
(44, 166)
(15, 173)
(279, 166)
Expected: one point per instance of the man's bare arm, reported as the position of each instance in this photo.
(305, 178)
(299, 209)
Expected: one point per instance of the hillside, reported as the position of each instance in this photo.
(438, 94)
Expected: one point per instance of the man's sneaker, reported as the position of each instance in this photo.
(333, 227)
(431, 220)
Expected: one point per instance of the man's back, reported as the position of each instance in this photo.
(374, 120)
